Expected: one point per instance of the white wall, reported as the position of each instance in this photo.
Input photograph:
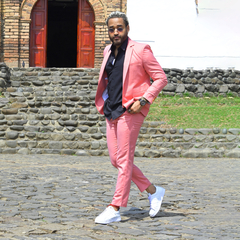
(180, 38)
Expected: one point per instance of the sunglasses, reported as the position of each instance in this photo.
(119, 29)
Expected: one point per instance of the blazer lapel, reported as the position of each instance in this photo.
(104, 63)
(127, 58)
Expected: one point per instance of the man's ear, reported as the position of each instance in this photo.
(128, 28)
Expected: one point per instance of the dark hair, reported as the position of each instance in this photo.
(118, 14)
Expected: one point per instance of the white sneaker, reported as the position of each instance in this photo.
(156, 201)
(108, 215)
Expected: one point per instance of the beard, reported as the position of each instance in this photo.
(118, 40)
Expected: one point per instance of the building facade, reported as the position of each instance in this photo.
(55, 33)
(189, 33)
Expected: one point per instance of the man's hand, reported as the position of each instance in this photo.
(135, 108)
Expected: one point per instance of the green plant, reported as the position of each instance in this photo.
(186, 94)
(230, 94)
(206, 94)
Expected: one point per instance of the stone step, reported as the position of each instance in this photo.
(77, 152)
(94, 141)
(55, 126)
(84, 133)
(54, 86)
(48, 107)
(96, 130)
(191, 153)
(67, 90)
(51, 96)
(59, 114)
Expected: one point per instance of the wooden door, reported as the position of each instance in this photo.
(86, 35)
(38, 34)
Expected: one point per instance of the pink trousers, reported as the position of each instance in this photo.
(122, 134)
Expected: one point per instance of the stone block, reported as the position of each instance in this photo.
(234, 153)
(82, 153)
(69, 136)
(200, 138)
(197, 153)
(19, 105)
(191, 131)
(47, 129)
(68, 151)
(231, 138)
(54, 116)
(23, 144)
(42, 144)
(56, 137)
(55, 145)
(31, 128)
(12, 135)
(2, 144)
(223, 89)
(95, 145)
(200, 89)
(171, 153)
(187, 138)
(177, 138)
(157, 137)
(152, 153)
(9, 151)
(97, 136)
(23, 151)
(51, 151)
(235, 131)
(212, 88)
(95, 152)
(168, 93)
(70, 145)
(139, 153)
(36, 151)
(45, 111)
(10, 111)
(191, 87)
(180, 88)
(3, 122)
(169, 88)
(217, 153)
(205, 131)
(32, 144)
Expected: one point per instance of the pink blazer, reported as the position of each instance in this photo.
(139, 66)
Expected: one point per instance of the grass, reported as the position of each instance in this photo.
(190, 112)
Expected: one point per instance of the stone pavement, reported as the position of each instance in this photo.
(58, 197)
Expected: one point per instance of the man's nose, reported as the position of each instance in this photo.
(115, 31)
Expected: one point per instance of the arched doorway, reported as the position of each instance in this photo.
(62, 34)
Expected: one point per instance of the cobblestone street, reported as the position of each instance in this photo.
(58, 197)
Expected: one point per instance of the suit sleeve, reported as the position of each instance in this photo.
(155, 71)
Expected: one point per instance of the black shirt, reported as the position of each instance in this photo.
(114, 68)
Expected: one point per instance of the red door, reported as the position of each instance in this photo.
(86, 35)
(38, 37)
(85, 32)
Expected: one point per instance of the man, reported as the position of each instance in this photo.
(124, 95)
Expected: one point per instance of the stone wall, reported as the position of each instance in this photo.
(4, 77)
(210, 82)
(16, 16)
(1, 52)
(52, 111)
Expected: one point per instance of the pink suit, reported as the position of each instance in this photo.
(122, 133)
